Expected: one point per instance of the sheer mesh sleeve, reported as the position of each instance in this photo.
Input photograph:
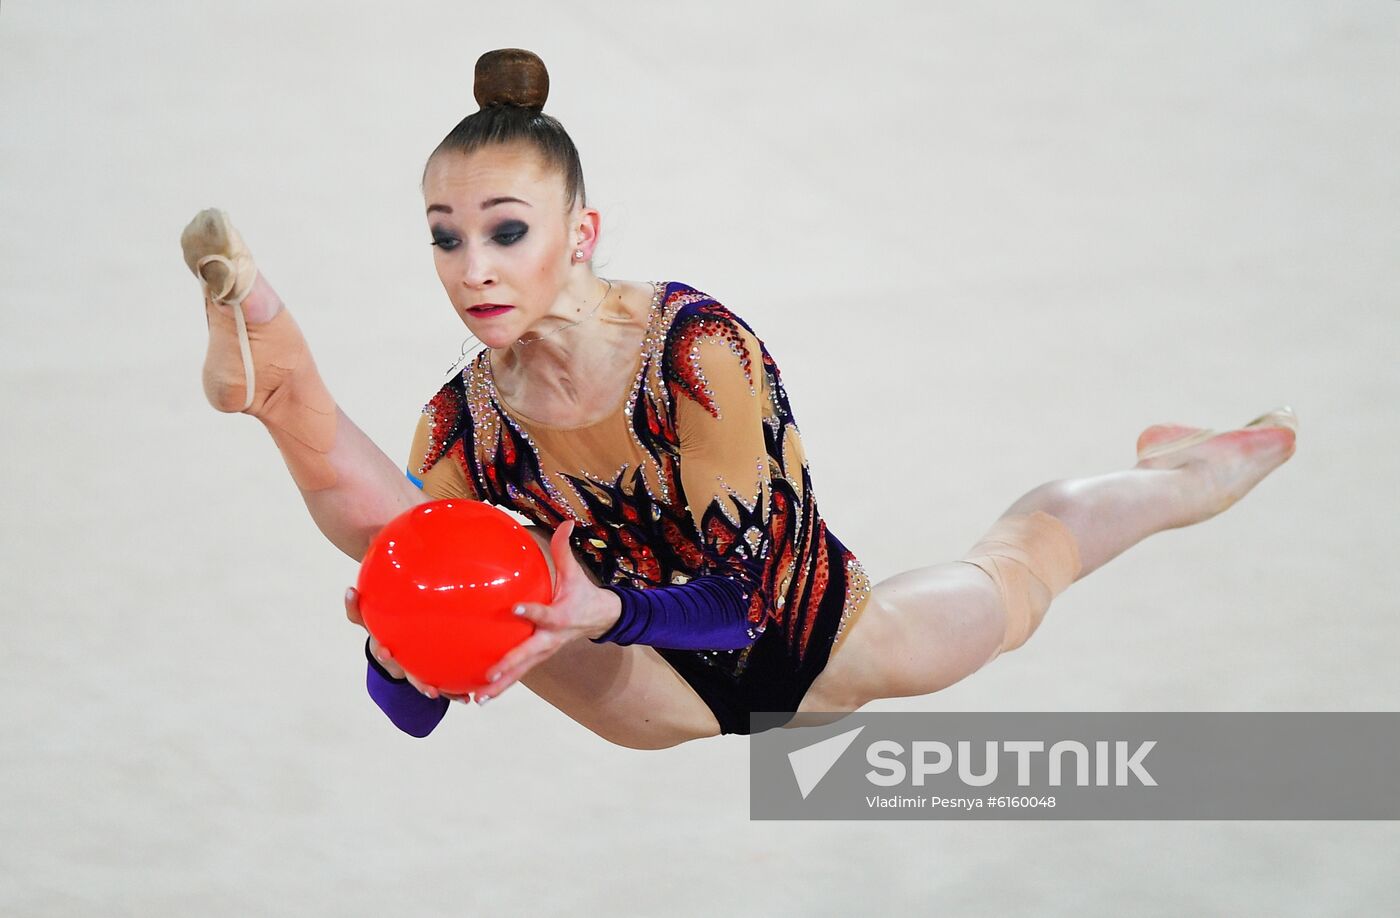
(445, 478)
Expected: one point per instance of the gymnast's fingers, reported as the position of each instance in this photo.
(508, 676)
(352, 607)
(385, 659)
(542, 615)
(537, 645)
(421, 686)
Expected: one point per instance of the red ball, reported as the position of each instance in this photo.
(438, 584)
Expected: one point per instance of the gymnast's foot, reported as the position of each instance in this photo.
(1221, 467)
(236, 296)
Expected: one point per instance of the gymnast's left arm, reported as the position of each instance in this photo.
(719, 397)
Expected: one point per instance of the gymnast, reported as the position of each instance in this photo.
(643, 429)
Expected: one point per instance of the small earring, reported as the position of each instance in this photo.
(578, 253)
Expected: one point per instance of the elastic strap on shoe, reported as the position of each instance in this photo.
(231, 280)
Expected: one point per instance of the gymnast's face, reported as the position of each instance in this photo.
(502, 235)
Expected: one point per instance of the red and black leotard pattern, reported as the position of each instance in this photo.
(700, 473)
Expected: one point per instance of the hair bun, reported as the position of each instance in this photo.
(511, 76)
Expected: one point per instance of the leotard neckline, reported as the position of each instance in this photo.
(658, 287)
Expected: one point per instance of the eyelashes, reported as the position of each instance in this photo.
(511, 234)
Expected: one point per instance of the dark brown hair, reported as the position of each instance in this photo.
(511, 87)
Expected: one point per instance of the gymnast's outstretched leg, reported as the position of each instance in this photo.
(924, 629)
(258, 363)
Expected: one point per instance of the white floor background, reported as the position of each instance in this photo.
(987, 244)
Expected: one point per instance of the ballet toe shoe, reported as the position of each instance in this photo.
(217, 256)
(1282, 416)
(1161, 439)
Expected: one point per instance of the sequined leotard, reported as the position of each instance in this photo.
(700, 472)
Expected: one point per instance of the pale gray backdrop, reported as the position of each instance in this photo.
(987, 244)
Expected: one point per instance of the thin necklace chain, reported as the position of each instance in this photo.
(467, 342)
(522, 342)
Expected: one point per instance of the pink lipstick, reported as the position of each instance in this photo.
(486, 310)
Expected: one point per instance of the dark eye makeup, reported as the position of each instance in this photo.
(511, 232)
(508, 233)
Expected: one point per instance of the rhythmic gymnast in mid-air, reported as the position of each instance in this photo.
(644, 429)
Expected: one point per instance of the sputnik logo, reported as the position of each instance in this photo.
(811, 763)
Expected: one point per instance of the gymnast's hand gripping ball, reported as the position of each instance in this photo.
(437, 587)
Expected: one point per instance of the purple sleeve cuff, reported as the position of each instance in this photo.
(708, 613)
(411, 711)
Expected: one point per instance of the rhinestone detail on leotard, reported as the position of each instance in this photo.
(635, 526)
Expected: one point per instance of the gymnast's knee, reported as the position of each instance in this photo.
(1032, 558)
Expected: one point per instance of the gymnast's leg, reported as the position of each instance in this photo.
(924, 629)
(350, 486)
(628, 695)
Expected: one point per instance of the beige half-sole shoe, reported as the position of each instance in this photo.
(1161, 439)
(216, 254)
